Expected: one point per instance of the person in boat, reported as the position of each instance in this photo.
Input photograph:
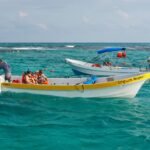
(7, 70)
(35, 77)
(41, 78)
(107, 62)
(23, 77)
(28, 78)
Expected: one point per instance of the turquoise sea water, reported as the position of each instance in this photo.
(43, 122)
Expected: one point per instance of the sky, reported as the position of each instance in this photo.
(74, 20)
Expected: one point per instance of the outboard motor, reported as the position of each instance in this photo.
(1, 81)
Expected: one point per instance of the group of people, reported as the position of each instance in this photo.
(37, 77)
(28, 77)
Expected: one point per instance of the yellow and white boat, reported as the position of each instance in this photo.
(126, 86)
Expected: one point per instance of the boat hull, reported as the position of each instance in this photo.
(125, 91)
(80, 67)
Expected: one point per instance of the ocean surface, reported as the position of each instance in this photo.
(35, 122)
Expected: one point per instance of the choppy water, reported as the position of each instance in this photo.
(44, 122)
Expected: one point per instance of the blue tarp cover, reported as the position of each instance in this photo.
(110, 50)
(91, 80)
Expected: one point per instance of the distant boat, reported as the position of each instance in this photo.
(105, 69)
(81, 67)
(126, 86)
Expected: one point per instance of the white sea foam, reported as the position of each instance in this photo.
(70, 46)
(28, 48)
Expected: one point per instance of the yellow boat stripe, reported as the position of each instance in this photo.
(77, 87)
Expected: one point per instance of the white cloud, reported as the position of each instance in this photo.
(23, 14)
(130, 1)
(117, 20)
(42, 26)
(123, 14)
(87, 20)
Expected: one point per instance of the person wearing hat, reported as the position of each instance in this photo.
(7, 70)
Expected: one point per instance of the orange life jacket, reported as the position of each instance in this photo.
(23, 79)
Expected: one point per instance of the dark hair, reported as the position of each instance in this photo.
(40, 71)
(28, 72)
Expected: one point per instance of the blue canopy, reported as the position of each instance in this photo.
(110, 50)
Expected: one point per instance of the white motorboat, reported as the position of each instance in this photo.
(105, 69)
(81, 67)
